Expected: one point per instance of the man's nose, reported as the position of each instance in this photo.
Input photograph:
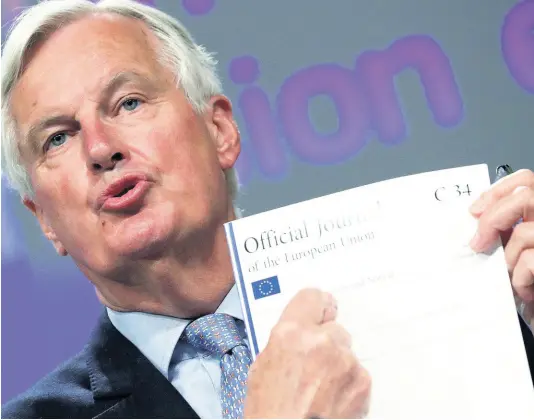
(103, 148)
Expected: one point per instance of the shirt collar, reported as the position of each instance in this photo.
(156, 335)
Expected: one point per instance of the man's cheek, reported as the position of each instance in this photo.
(156, 144)
(66, 196)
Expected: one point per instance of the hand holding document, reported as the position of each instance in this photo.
(339, 386)
(433, 322)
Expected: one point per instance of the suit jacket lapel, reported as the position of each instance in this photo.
(126, 383)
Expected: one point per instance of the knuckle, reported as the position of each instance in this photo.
(320, 341)
(284, 330)
(317, 346)
(307, 298)
(337, 332)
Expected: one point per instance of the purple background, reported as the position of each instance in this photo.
(328, 95)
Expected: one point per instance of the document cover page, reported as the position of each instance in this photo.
(433, 322)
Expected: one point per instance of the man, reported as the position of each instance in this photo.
(120, 142)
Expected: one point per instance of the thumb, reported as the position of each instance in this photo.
(310, 307)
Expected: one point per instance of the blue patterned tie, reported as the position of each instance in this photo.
(218, 334)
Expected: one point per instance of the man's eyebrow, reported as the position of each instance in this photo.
(119, 80)
(45, 123)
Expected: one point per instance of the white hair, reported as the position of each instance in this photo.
(194, 67)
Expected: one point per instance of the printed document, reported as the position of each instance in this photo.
(434, 323)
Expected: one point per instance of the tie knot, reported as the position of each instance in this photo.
(215, 333)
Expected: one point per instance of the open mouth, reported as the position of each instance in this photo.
(124, 191)
(125, 194)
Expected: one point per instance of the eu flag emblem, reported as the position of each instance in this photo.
(266, 287)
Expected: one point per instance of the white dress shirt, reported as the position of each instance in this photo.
(194, 373)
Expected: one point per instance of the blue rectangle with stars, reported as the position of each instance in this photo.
(266, 287)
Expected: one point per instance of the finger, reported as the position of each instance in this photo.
(337, 333)
(361, 395)
(521, 239)
(503, 216)
(310, 307)
(356, 393)
(502, 188)
(342, 391)
(523, 276)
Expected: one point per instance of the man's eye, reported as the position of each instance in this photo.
(56, 140)
(131, 104)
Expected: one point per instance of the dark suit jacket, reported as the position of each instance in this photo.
(110, 378)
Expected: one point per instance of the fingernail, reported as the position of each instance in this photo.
(332, 302)
(476, 242)
(330, 311)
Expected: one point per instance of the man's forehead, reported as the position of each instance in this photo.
(94, 39)
(96, 31)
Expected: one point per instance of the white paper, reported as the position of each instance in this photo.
(434, 323)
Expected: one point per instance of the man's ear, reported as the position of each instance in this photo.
(45, 226)
(223, 130)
